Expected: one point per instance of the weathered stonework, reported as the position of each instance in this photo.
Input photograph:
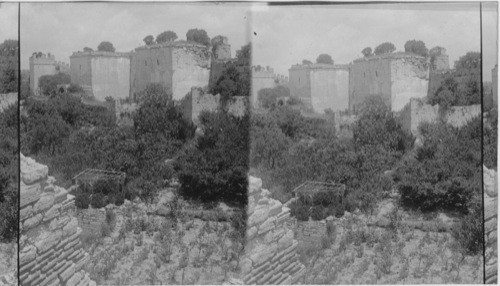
(321, 86)
(396, 77)
(490, 179)
(102, 74)
(197, 101)
(270, 252)
(178, 66)
(41, 65)
(50, 248)
(91, 220)
(265, 78)
(417, 111)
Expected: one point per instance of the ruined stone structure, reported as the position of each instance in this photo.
(50, 247)
(321, 86)
(90, 220)
(490, 179)
(494, 80)
(221, 49)
(102, 74)
(396, 77)
(418, 111)
(178, 66)
(194, 103)
(7, 100)
(439, 59)
(44, 64)
(270, 253)
(310, 232)
(265, 78)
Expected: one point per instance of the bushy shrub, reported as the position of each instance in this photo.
(469, 231)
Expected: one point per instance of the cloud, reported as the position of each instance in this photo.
(289, 34)
(62, 28)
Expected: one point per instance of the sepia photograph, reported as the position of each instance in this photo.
(9, 147)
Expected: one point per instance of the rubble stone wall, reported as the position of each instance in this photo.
(490, 178)
(310, 232)
(50, 247)
(270, 252)
(91, 220)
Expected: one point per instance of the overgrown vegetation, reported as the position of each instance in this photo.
(9, 66)
(9, 176)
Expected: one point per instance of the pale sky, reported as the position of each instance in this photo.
(8, 21)
(285, 35)
(62, 28)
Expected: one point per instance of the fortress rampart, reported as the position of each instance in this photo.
(50, 248)
(270, 253)
(490, 178)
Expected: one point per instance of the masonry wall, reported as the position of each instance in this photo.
(270, 253)
(300, 85)
(177, 67)
(39, 68)
(329, 89)
(151, 65)
(50, 248)
(191, 68)
(7, 100)
(369, 77)
(417, 111)
(409, 79)
(490, 178)
(110, 77)
(261, 80)
(90, 220)
(310, 232)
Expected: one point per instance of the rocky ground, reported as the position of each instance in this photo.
(8, 263)
(149, 246)
(363, 250)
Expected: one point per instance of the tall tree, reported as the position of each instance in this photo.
(106, 47)
(324, 59)
(9, 66)
(385, 48)
(149, 40)
(416, 47)
(167, 36)
(198, 35)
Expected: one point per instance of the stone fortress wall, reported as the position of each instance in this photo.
(397, 77)
(490, 178)
(44, 64)
(417, 111)
(102, 74)
(176, 65)
(271, 250)
(321, 86)
(197, 101)
(264, 77)
(90, 220)
(50, 248)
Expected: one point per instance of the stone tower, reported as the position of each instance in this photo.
(40, 65)
(221, 48)
(439, 59)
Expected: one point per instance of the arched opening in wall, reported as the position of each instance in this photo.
(146, 63)
(376, 73)
(80, 67)
(158, 61)
(299, 79)
(364, 74)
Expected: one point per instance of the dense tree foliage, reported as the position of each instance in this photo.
(198, 35)
(367, 52)
(48, 83)
(244, 55)
(9, 177)
(268, 97)
(416, 47)
(490, 141)
(167, 36)
(324, 59)
(384, 48)
(87, 49)
(149, 40)
(215, 167)
(106, 47)
(306, 62)
(9, 66)
(446, 171)
(459, 88)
